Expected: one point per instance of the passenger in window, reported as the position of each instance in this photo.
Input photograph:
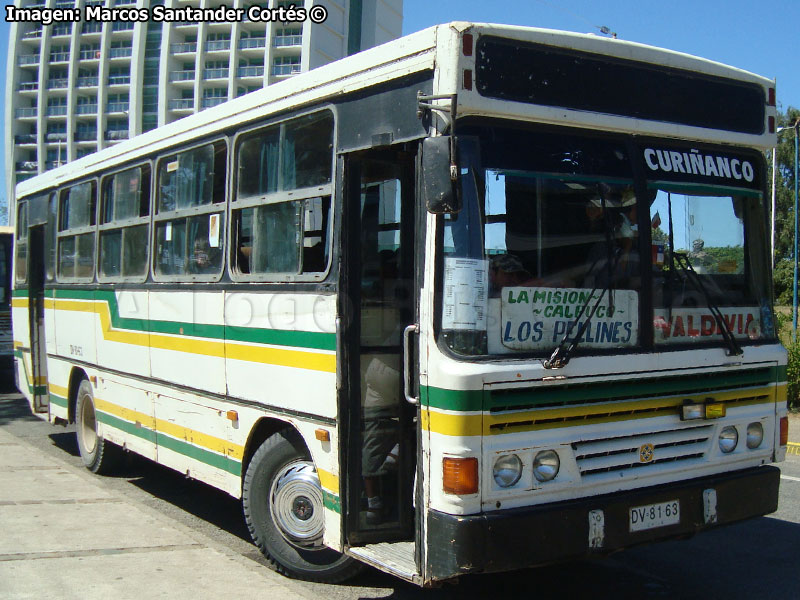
(612, 218)
(202, 262)
(506, 270)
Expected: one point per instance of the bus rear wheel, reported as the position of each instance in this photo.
(98, 455)
(282, 500)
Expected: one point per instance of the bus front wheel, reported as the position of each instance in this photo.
(283, 507)
(98, 455)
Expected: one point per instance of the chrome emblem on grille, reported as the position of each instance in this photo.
(646, 453)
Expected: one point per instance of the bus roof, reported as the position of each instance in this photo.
(411, 54)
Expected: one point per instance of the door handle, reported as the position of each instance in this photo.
(407, 333)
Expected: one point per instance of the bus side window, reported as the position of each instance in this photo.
(124, 227)
(21, 265)
(76, 235)
(190, 224)
(281, 235)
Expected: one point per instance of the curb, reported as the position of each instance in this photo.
(793, 448)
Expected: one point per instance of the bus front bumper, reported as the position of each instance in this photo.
(525, 537)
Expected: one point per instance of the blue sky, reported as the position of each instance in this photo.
(757, 36)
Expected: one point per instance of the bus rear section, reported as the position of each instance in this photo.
(6, 336)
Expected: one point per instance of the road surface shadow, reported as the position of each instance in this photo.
(14, 407)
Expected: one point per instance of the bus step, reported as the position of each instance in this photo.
(396, 558)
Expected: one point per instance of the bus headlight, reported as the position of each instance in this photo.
(507, 470)
(755, 435)
(728, 439)
(546, 465)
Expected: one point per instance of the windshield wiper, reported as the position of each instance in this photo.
(682, 260)
(561, 355)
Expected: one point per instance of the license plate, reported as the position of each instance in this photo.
(651, 516)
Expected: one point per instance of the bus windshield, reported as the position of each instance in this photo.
(551, 247)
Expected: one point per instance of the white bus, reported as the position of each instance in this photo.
(478, 299)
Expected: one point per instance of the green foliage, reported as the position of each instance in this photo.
(793, 374)
(784, 185)
(783, 280)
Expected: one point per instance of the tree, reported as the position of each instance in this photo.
(783, 274)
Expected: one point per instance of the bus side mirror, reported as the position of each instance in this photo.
(441, 193)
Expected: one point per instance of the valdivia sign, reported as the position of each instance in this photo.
(701, 166)
(535, 318)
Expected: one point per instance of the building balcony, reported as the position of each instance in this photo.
(89, 54)
(183, 47)
(215, 73)
(56, 111)
(250, 71)
(26, 113)
(116, 134)
(32, 35)
(181, 104)
(92, 28)
(28, 86)
(279, 70)
(119, 80)
(86, 109)
(28, 59)
(120, 52)
(283, 41)
(55, 137)
(187, 24)
(218, 45)
(118, 107)
(84, 82)
(25, 138)
(57, 84)
(61, 31)
(209, 102)
(53, 164)
(181, 76)
(251, 43)
(57, 57)
(88, 135)
(122, 26)
(26, 166)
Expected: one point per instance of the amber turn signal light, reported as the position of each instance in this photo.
(784, 431)
(460, 475)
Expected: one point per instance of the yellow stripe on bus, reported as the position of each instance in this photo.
(303, 359)
(328, 480)
(182, 433)
(474, 424)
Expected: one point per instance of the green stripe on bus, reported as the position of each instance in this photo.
(58, 400)
(331, 502)
(278, 337)
(218, 461)
(601, 391)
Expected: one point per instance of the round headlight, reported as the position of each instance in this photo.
(507, 470)
(728, 439)
(755, 435)
(546, 465)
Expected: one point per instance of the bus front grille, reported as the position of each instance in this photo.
(608, 455)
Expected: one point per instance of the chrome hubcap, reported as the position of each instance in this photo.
(296, 502)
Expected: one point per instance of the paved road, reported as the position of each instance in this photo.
(757, 559)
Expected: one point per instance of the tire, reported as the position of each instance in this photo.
(282, 501)
(98, 455)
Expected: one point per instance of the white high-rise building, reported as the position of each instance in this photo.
(76, 87)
